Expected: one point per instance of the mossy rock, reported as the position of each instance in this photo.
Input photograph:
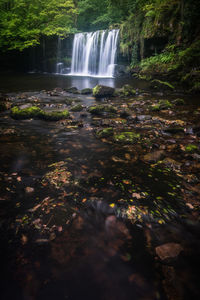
(179, 102)
(162, 105)
(129, 137)
(73, 90)
(77, 108)
(100, 91)
(55, 115)
(99, 109)
(26, 113)
(37, 113)
(127, 90)
(104, 132)
(191, 148)
(69, 101)
(86, 91)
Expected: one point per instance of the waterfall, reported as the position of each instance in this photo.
(94, 53)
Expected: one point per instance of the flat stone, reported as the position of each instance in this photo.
(29, 189)
(142, 118)
(168, 250)
(154, 156)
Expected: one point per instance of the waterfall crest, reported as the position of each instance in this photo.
(94, 53)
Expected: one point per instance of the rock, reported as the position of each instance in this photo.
(104, 132)
(86, 91)
(171, 163)
(120, 70)
(129, 137)
(196, 156)
(73, 90)
(142, 118)
(77, 108)
(174, 130)
(179, 101)
(99, 109)
(29, 190)
(124, 114)
(154, 156)
(127, 90)
(168, 250)
(162, 105)
(103, 91)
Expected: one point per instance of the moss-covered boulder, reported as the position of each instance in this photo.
(73, 90)
(127, 90)
(26, 113)
(99, 109)
(127, 137)
(77, 108)
(162, 105)
(100, 91)
(37, 113)
(86, 91)
(55, 115)
(191, 148)
(106, 132)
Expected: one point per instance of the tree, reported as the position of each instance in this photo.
(24, 22)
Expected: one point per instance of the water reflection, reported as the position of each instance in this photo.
(34, 82)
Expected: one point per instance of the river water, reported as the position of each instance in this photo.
(81, 217)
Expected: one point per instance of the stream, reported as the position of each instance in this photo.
(89, 215)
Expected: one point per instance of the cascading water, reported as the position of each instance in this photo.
(94, 53)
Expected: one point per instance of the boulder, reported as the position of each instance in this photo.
(100, 91)
(142, 118)
(86, 91)
(168, 250)
(154, 156)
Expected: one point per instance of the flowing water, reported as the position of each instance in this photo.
(64, 194)
(94, 53)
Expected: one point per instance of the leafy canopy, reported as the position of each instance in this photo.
(23, 22)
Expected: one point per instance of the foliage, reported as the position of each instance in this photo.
(24, 22)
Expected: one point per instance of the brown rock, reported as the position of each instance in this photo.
(168, 250)
(153, 156)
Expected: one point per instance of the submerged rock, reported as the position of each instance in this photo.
(86, 91)
(104, 132)
(127, 90)
(103, 91)
(154, 156)
(73, 90)
(168, 250)
(37, 113)
(99, 109)
(128, 137)
(77, 108)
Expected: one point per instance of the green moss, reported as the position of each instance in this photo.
(128, 137)
(26, 113)
(96, 90)
(191, 148)
(99, 109)
(161, 84)
(55, 115)
(105, 132)
(77, 107)
(163, 104)
(127, 90)
(37, 113)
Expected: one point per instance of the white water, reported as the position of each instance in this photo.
(94, 53)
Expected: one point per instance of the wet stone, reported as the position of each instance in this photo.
(168, 250)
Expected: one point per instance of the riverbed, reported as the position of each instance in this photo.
(88, 214)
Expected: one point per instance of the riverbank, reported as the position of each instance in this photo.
(108, 194)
